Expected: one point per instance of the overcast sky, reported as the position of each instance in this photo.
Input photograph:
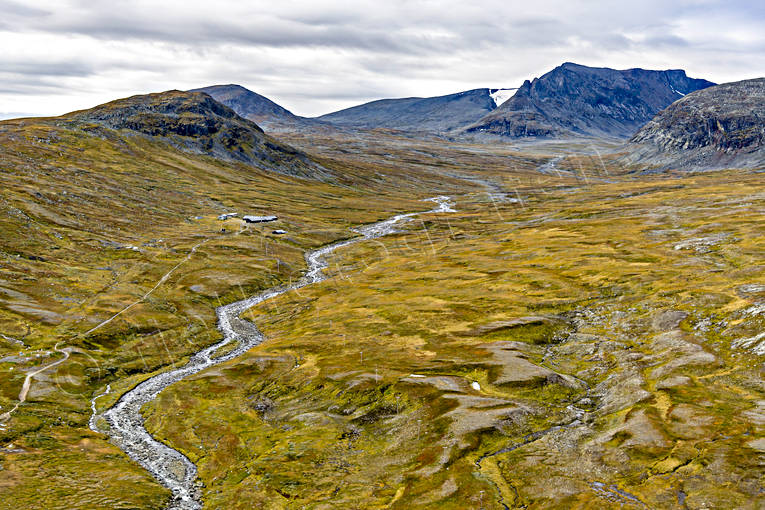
(316, 56)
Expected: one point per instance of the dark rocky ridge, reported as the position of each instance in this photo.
(576, 100)
(195, 122)
(720, 126)
(257, 108)
(429, 114)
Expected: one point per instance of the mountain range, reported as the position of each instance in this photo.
(669, 119)
(571, 100)
(719, 125)
(716, 125)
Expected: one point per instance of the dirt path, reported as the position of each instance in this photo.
(28, 380)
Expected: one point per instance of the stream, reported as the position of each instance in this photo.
(126, 426)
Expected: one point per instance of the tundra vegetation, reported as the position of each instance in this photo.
(575, 335)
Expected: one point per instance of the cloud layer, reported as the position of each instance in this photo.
(318, 56)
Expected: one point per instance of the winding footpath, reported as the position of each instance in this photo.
(28, 380)
(126, 427)
(67, 350)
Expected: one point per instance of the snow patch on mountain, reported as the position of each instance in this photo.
(501, 95)
(676, 91)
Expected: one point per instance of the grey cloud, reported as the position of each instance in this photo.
(666, 41)
(46, 68)
(18, 77)
(410, 32)
(15, 15)
(22, 87)
(21, 10)
(320, 52)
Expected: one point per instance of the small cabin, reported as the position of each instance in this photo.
(259, 219)
(224, 217)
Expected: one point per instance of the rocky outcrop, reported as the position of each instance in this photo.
(722, 126)
(575, 100)
(195, 122)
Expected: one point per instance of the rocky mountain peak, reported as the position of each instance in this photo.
(168, 113)
(573, 99)
(255, 107)
(195, 122)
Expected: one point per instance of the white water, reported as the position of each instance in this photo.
(126, 428)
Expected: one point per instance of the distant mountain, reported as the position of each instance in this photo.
(429, 114)
(718, 127)
(257, 108)
(576, 100)
(196, 123)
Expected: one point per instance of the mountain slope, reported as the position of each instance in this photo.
(430, 114)
(254, 107)
(577, 100)
(719, 126)
(195, 122)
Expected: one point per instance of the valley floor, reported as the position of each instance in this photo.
(589, 348)
(573, 336)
